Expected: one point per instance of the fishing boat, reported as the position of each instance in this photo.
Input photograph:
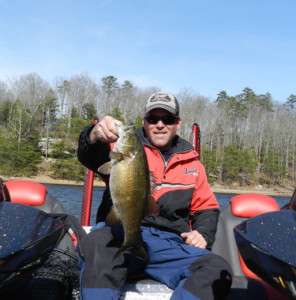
(33, 263)
(38, 239)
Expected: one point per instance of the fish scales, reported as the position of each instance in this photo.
(129, 184)
(130, 188)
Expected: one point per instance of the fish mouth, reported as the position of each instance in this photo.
(125, 129)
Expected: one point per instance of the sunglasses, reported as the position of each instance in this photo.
(167, 120)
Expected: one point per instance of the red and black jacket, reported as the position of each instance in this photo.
(182, 192)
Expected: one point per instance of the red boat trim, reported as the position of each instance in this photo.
(196, 138)
(87, 194)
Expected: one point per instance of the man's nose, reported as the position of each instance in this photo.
(160, 124)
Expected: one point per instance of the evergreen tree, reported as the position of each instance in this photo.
(138, 121)
(18, 159)
(209, 160)
(273, 170)
(117, 114)
(291, 102)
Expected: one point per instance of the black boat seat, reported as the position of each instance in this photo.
(242, 207)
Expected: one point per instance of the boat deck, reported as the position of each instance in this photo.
(146, 289)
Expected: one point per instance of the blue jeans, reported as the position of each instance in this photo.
(189, 270)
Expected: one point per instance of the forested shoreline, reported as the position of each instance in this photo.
(246, 139)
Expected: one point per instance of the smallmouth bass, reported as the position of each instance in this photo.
(130, 188)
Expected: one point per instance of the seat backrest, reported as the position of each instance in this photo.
(26, 192)
(251, 204)
(241, 207)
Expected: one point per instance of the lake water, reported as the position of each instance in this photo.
(71, 197)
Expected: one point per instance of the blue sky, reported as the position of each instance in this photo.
(206, 46)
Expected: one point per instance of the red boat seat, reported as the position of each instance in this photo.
(250, 205)
(26, 192)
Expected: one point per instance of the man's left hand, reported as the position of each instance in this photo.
(194, 238)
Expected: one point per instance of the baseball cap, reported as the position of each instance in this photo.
(163, 100)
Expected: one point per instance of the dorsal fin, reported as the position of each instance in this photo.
(152, 204)
(152, 179)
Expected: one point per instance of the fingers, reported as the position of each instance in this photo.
(201, 243)
(194, 238)
(105, 131)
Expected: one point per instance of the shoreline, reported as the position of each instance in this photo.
(216, 188)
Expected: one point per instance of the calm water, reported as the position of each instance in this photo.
(71, 197)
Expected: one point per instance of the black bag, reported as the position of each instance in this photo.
(38, 259)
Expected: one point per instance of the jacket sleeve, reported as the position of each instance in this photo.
(205, 222)
(92, 155)
(204, 208)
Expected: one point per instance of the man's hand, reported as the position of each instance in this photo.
(105, 131)
(194, 238)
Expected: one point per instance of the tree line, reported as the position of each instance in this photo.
(246, 138)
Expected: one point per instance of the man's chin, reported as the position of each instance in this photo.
(161, 145)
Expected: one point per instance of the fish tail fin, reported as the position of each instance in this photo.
(138, 251)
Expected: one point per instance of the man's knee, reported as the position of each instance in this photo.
(211, 277)
(98, 262)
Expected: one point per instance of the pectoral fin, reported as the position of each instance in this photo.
(116, 155)
(105, 169)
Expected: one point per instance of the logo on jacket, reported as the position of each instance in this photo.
(190, 172)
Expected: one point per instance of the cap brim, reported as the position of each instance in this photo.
(169, 109)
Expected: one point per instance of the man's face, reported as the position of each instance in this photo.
(160, 134)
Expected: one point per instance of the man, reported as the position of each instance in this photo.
(178, 238)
